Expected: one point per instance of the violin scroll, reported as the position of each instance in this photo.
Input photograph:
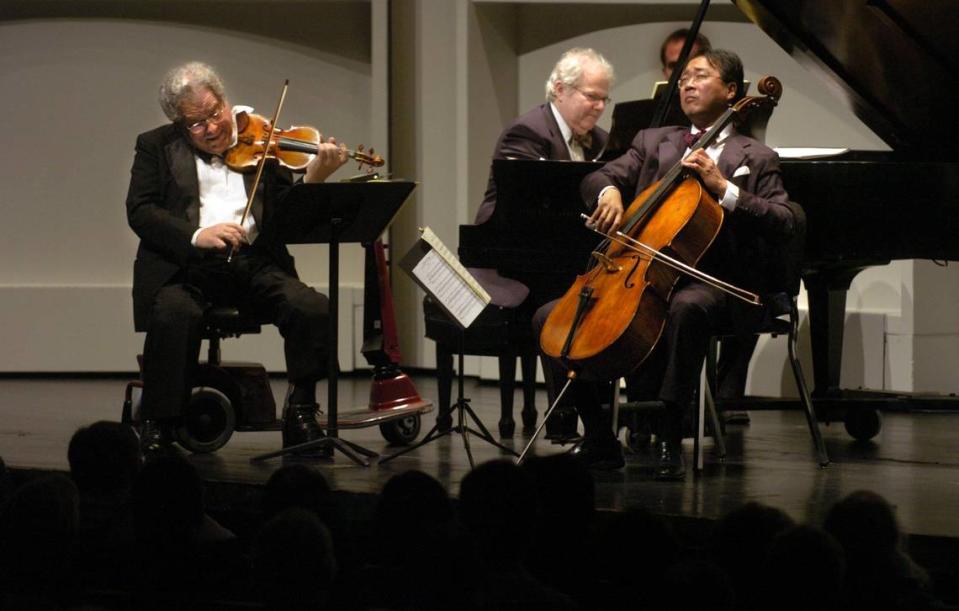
(364, 157)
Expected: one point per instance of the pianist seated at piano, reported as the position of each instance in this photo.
(744, 177)
(563, 128)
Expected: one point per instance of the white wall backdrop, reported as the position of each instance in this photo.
(76, 94)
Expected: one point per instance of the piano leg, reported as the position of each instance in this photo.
(827, 318)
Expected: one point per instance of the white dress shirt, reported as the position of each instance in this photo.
(576, 152)
(223, 193)
(731, 197)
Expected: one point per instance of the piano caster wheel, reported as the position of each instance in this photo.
(507, 428)
(529, 422)
(862, 424)
(402, 431)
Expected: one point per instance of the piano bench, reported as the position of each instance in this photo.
(502, 332)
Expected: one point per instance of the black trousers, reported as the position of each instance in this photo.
(696, 313)
(252, 279)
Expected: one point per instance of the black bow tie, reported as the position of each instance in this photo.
(585, 141)
(690, 138)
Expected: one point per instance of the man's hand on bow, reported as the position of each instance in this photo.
(218, 237)
(608, 213)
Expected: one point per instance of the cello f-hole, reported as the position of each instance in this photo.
(628, 282)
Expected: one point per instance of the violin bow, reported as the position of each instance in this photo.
(261, 164)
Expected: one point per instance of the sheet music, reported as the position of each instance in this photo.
(449, 282)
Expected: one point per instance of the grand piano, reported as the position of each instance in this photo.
(895, 60)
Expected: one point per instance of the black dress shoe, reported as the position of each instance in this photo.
(672, 465)
(605, 454)
(300, 426)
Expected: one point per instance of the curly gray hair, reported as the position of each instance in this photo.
(184, 81)
(569, 69)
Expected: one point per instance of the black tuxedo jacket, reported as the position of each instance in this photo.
(163, 208)
(535, 135)
(747, 249)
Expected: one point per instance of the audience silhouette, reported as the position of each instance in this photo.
(293, 562)
(804, 570)
(879, 572)
(37, 528)
(117, 535)
(499, 508)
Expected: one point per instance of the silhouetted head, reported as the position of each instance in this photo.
(297, 485)
(498, 506)
(104, 457)
(864, 524)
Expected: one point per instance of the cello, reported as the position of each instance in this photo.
(612, 317)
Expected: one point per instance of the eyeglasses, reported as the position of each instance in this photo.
(200, 126)
(695, 77)
(592, 97)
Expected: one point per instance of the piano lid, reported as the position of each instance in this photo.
(895, 60)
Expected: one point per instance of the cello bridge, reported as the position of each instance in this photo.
(608, 264)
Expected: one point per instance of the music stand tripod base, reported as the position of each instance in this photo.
(463, 409)
(350, 449)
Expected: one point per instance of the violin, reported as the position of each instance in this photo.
(293, 148)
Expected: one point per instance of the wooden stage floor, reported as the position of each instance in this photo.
(913, 462)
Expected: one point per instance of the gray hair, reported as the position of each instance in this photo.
(569, 69)
(185, 81)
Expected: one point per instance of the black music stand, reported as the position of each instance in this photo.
(336, 213)
(461, 406)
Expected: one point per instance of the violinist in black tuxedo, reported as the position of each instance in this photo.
(185, 205)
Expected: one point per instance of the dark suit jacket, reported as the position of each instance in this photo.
(163, 208)
(535, 135)
(745, 251)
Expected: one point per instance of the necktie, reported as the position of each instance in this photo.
(585, 141)
(690, 138)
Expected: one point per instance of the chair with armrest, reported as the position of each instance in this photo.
(782, 320)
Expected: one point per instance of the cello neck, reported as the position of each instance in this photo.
(677, 172)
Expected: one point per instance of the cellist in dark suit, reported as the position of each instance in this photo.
(561, 129)
(744, 177)
(185, 205)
